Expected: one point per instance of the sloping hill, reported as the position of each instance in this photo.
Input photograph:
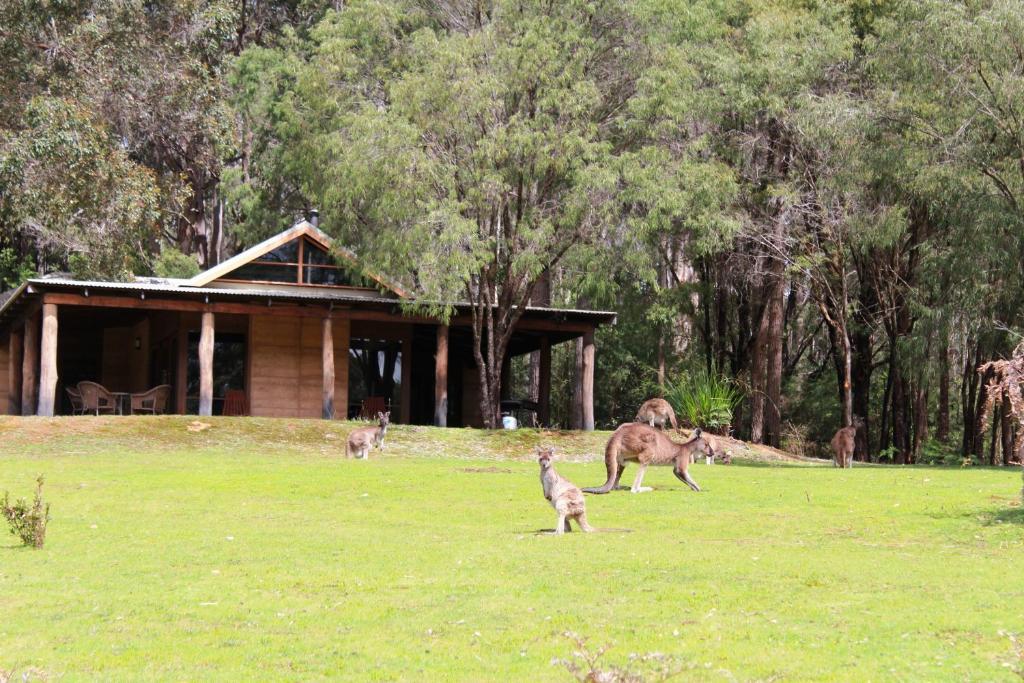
(147, 434)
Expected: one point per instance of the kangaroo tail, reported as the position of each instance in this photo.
(672, 419)
(611, 463)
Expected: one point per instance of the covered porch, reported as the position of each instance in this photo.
(325, 355)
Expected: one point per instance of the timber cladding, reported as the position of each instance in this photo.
(286, 372)
(5, 376)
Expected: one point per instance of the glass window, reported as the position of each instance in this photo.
(266, 272)
(316, 256)
(228, 369)
(375, 376)
(317, 275)
(286, 253)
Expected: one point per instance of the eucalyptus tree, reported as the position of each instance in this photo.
(476, 149)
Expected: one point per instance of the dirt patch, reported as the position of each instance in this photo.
(485, 470)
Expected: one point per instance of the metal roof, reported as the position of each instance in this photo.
(178, 288)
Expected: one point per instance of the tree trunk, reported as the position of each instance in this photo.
(883, 430)
(860, 378)
(327, 373)
(920, 419)
(441, 377)
(1006, 429)
(541, 297)
(900, 431)
(942, 412)
(758, 372)
(968, 390)
(773, 369)
(978, 440)
(48, 362)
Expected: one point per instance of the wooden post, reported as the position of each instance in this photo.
(14, 373)
(587, 380)
(30, 368)
(328, 358)
(544, 383)
(206, 365)
(441, 378)
(48, 362)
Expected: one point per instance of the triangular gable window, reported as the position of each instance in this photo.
(299, 262)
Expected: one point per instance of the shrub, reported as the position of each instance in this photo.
(704, 400)
(173, 263)
(28, 522)
(938, 453)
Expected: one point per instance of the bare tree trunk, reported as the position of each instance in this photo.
(541, 297)
(883, 431)
(900, 431)
(758, 372)
(979, 417)
(860, 379)
(942, 413)
(1006, 429)
(920, 419)
(773, 369)
(968, 389)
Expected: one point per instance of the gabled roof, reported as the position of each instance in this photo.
(301, 229)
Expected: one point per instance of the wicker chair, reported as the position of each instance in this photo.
(96, 399)
(153, 401)
(77, 407)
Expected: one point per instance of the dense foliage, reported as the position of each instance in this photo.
(820, 201)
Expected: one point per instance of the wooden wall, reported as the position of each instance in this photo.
(286, 366)
(126, 368)
(4, 376)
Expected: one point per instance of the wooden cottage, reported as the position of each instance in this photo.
(281, 330)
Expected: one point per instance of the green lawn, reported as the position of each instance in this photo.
(254, 550)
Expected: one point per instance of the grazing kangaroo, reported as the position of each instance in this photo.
(844, 443)
(657, 412)
(563, 495)
(647, 446)
(362, 439)
(713, 445)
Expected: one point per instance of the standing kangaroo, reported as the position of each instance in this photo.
(844, 443)
(647, 446)
(563, 495)
(657, 412)
(362, 439)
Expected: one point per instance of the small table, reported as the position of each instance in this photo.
(120, 399)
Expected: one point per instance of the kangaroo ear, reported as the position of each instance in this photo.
(697, 433)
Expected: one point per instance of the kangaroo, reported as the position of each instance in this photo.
(844, 443)
(657, 412)
(362, 439)
(563, 495)
(647, 446)
(709, 459)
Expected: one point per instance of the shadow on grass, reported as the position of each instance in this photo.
(992, 517)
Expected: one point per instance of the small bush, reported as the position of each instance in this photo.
(586, 666)
(938, 453)
(28, 522)
(704, 400)
(173, 263)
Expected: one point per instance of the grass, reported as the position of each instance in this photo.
(251, 550)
